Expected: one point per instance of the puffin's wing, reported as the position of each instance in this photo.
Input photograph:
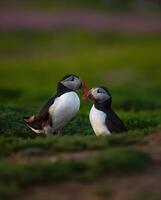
(36, 121)
(44, 112)
(114, 123)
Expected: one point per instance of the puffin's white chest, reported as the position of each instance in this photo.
(64, 109)
(97, 119)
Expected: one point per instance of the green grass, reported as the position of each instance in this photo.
(30, 65)
(11, 122)
(15, 136)
(79, 143)
(114, 161)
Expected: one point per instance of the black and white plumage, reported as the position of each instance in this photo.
(103, 119)
(60, 109)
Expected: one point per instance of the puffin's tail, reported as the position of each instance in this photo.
(34, 123)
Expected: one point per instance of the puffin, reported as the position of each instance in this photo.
(59, 109)
(103, 119)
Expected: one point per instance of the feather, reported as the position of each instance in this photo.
(114, 123)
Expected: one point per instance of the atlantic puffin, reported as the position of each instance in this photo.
(60, 108)
(103, 119)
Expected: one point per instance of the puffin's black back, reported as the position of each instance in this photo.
(45, 109)
(114, 123)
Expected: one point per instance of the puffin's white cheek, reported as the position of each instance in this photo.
(99, 96)
(76, 84)
(68, 84)
(102, 97)
(95, 95)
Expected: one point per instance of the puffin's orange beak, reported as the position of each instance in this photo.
(86, 95)
(84, 86)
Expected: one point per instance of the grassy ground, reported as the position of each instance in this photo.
(30, 65)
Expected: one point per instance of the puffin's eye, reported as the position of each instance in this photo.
(99, 91)
(72, 78)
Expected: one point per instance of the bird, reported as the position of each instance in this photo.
(59, 109)
(103, 119)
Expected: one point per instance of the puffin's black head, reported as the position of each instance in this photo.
(99, 94)
(72, 82)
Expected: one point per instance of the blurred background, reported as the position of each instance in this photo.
(114, 43)
(107, 42)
